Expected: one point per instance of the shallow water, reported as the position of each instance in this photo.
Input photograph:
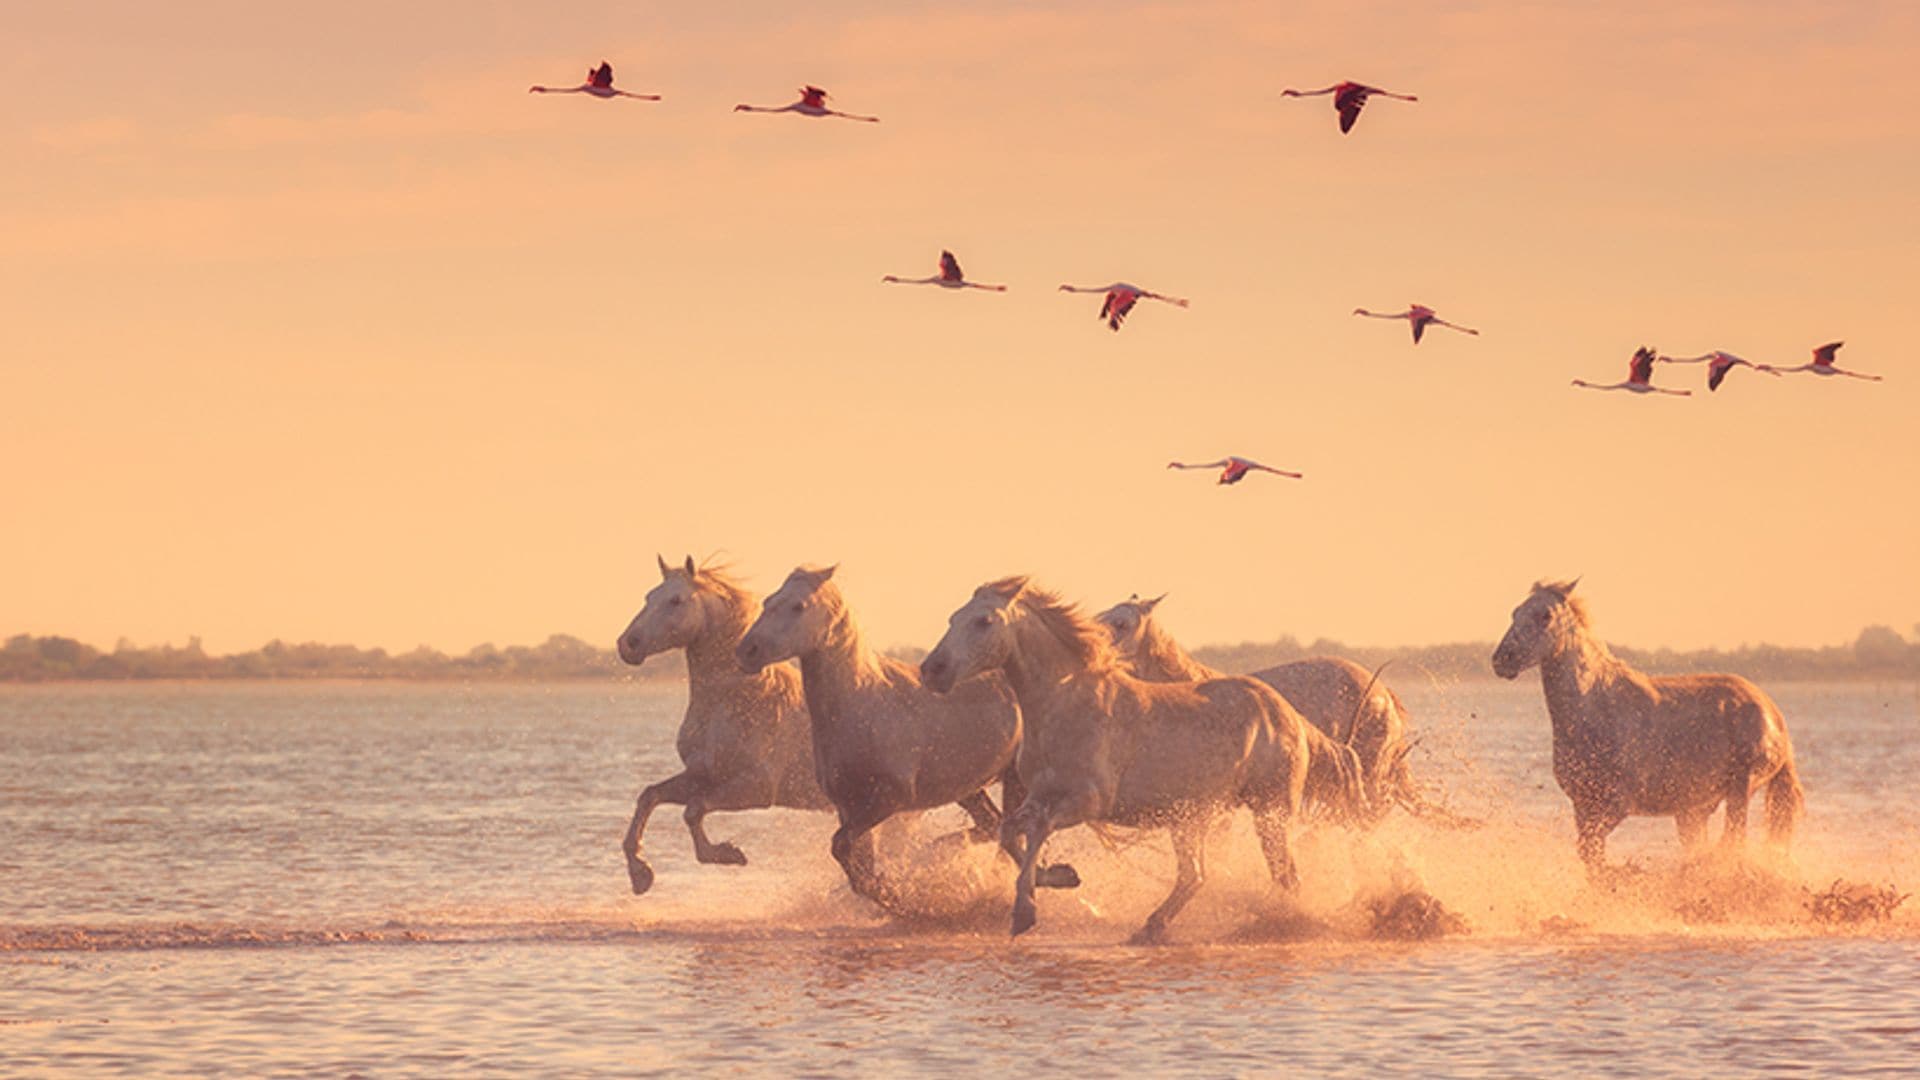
(407, 879)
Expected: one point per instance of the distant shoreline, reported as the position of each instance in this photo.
(1878, 654)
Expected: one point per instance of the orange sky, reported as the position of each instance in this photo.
(318, 326)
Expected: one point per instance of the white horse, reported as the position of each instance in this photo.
(1102, 745)
(882, 743)
(1627, 744)
(744, 740)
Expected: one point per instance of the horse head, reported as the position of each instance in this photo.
(979, 636)
(673, 616)
(1127, 622)
(1541, 624)
(794, 620)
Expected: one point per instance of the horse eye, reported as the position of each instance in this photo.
(982, 622)
(678, 600)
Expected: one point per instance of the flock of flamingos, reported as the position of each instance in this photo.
(1119, 298)
(1105, 719)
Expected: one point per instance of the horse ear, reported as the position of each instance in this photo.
(1572, 583)
(690, 570)
(1149, 605)
(827, 574)
(661, 559)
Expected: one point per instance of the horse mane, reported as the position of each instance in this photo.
(1158, 651)
(722, 579)
(1086, 640)
(1576, 604)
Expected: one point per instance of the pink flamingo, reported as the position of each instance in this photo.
(1822, 364)
(1235, 469)
(1419, 316)
(1120, 299)
(1348, 99)
(1719, 363)
(813, 102)
(1639, 377)
(599, 83)
(949, 277)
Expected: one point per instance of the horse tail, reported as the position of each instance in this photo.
(1366, 696)
(1786, 802)
(1336, 782)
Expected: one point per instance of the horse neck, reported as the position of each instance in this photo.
(838, 666)
(1161, 659)
(1036, 668)
(1578, 666)
(712, 666)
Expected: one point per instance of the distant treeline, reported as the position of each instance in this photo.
(1879, 652)
(34, 659)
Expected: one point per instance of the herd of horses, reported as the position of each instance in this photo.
(1105, 720)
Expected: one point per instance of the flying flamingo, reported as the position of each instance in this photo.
(1120, 299)
(1719, 362)
(1419, 316)
(1234, 469)
(813, 102)
(599, 83)
(1639, 377)
(949, 278)
(1349, 98)
(1822, 364)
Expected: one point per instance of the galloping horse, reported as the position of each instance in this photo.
(1102, 745)
(882, 743)
(745, 737)
(1336, 696)
(1628, 744)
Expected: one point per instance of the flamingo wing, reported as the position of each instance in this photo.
(1420, 325)
(1717, 373)
(602, 76)
(1235, 471)
(1823, 356)
(1118, 305)
(949, 267)
(1349, 99)
(813, 96)
(1640, 368)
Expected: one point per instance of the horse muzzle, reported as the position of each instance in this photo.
(1505, 667)
(750, 656)
(631, 650)
(936, 674)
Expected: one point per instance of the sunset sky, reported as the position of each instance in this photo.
(318, 326)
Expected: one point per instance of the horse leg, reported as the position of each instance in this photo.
(853, 850)
(1271, 824)
(1053, 876)
(675, 789)
(986, 816)
(1739, 790)
(1032, 824)
(1693, 827)
(1593, 823)
(1189, 840)
(724, 852)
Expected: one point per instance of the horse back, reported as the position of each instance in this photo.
(1752, 723)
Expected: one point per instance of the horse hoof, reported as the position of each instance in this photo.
(1023, 919)
(640, 874)
(1057, 876)
(725, 854)
(1148, 935)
